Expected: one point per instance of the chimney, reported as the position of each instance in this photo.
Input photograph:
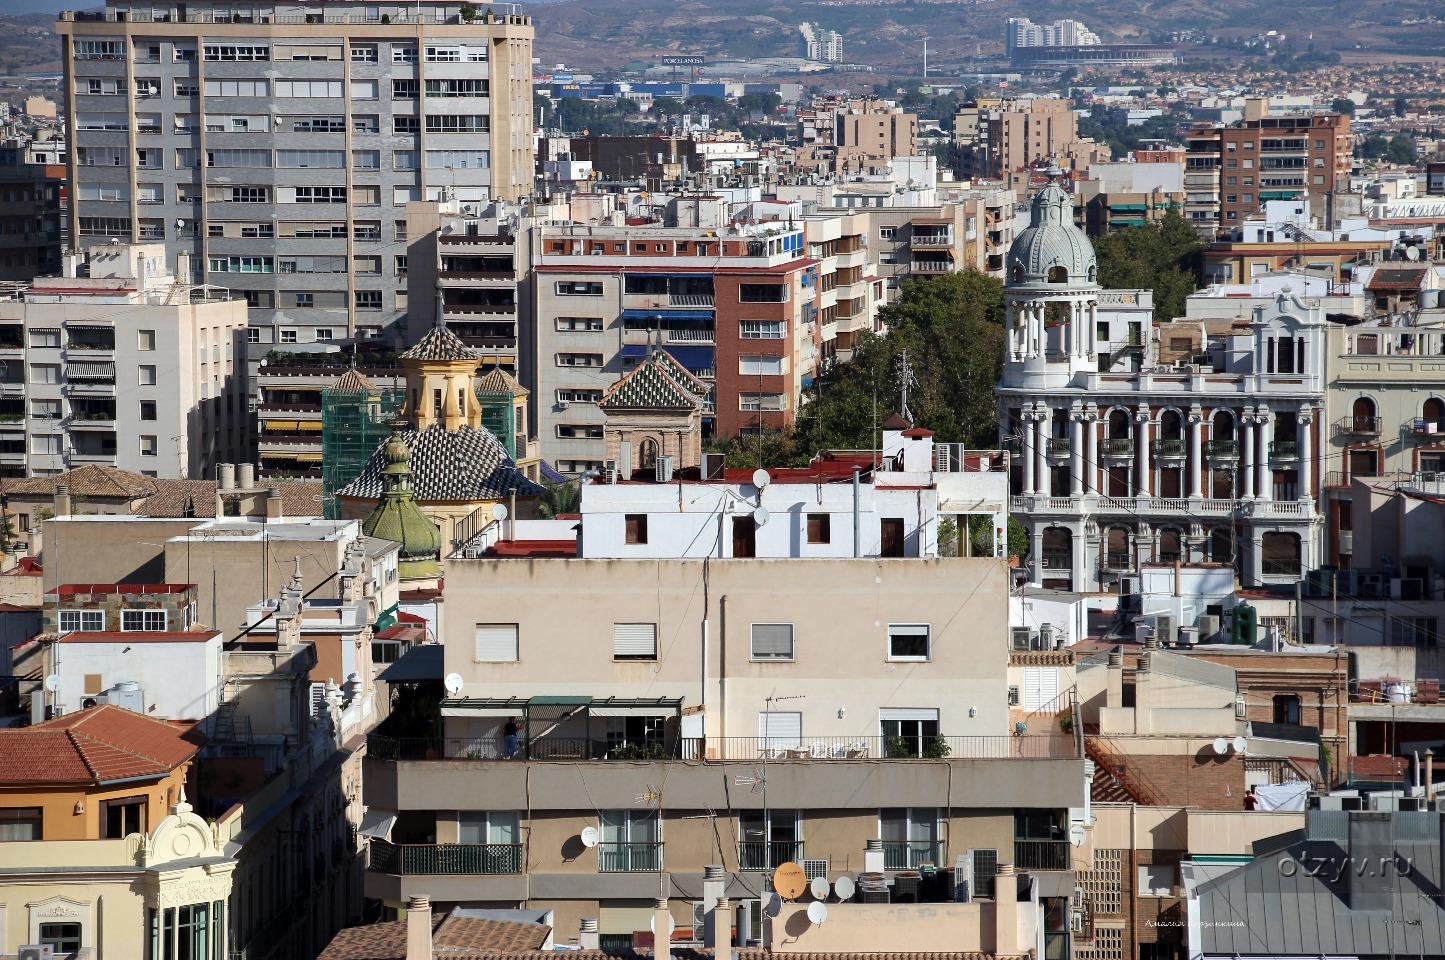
(873, 857)
(721, 930)
(587, 936)
(62, 500)
(714, 885)
(1370, 858)
(246, 476)
(661, 931)
(1005, 911)
(1143, 705)
(418, 929)
(273, 505)
(225, 476)
(1114, 684)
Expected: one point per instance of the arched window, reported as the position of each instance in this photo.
(1434, 412)
(1362, 415)
(1093, 273)
(1058, 274)
(647, 454)
(1018, 272)
(1119, 425)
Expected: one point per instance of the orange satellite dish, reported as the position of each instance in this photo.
(789, 881)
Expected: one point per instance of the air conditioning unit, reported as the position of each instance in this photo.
(610, 468)
(1208, 628)
(1021, 638)
(563, 404)
(1046, 637)
(1241, 710)
(814, 868)
(1164, 628)
(1076, 901)
(712, 466)
(963, 878)
(37, 951)
(663, 469)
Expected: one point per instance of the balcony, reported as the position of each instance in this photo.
(1058, 448)
(667, 301)
(413, 859)
(629, 857)
(932, 238)
(1357, 427)
(911, 854)
(1170, 450)
(1117, 561)
(91, 421)
(1221, 450)
(768, 855)
(1424, 429)
(1280, 568)
(1041, 855)
(1057, 560)
(1284, 450)
(932, 266)
(699, 335)
(1118, 449)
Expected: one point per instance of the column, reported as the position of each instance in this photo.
(1036, 540)
(1026, 419)
(1246, 454)
(1079, 559)
(1266, 437)
(1141, 452)
(1306, 454)
(1091, 458)
(1076, 453)
(1041, 452)
(1196, 452)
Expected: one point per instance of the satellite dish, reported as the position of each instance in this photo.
(844, 888)
(453, 683)
(817, 911)
(819, 888)
(589, 837)
(760, 516)
(1077, 835)
(1239, 744)
(1221, 746)
(671, 925)
(790, 881)
(760, 478)
(1412, 253)
(52, 682)
(774, 906)
(499, 512)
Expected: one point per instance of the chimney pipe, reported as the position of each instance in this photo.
(245, 475)
(714, 884)
(661, 931)
(857, 517)
(873, 856)
(587, 937)
(418, 929)
(226, 476)
(273, 505)
(1005, 910)
(62, 500)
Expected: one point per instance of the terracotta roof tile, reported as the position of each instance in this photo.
(658, 381)
(449, 466)
(497, 380)
(93, 746)
(452, 934)
(439, 343)
(91, 480)
(197, 498)
(352, 382)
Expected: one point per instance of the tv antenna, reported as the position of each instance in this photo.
(904, 370)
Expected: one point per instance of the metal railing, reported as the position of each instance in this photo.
(911, 854)
(1357, 426)
(1058, 559)
(1058, 446)
(1221, 449)
(1284, 449)
(1118, 561)
(629, 857)
(1424, 427)
(542, 748)
(768, 854)
(1122, 447)
(1041, 854)
(1280, 568)
(1169, 448)
(411, 859)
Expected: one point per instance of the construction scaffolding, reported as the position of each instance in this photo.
(500, 395)
(356, 418)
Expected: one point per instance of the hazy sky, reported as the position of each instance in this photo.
(45, 6)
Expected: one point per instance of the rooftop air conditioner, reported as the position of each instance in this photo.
(712, 466)
(1020, 638)
(814, 868)
(1208, 627)
(36, 951)
(610, 468)
(1164, 628)
(663, 469)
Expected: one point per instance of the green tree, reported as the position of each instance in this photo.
(1401, 105)
(1343, 105)
(1401, 150)
(559, 498)
(1164, 257)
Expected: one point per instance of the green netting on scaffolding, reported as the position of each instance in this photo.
(498, 393)
(356, 418)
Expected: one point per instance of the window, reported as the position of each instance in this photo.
(1156, 880)
(760, 366)
(910, 837)
(147, 375)
(891, 537)
(150, 621)
(456, 88)
(105, 227)
(253, 335)
(20, 823)
(887, 233)
(403, 53)
(579, 288)
(226, 53)
(110, 191)
(579, 396)
(366, 160)
(63, 937)
(363, 53)
(327, 159)
(779, 731)
(819, 528)
(763, 329)
(908, 641)
(636, 528)
(332, 124)
(148, 445)
(405, 125)
(455, 123)
(762, 401)
(45, 373)
(1286, 709)
(123, 817)
(368, 299)
(772, 641)
(318, 194)
(1413, 632)
(44, 338)
(247, 88)
(82, 621)
(145, 340)
(631, 841)
(458, 159)
(579, 359)
(762, 293)
(45, 443)
(363, 90)
(404, 160)
(492, 827)
(578, 324)
(45, 409)
(289, 336)
(324, 333)
(147, 409)
(311, 89)
(910, 732)
(497, 643)
(767, 841)
(579, 431)
(634, 641)
(404, 90)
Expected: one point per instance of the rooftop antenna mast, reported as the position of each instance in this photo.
(903, 368)
(651, 797)
(925, 57)
(759, 780)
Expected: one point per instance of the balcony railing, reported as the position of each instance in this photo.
(1284, 449)
(1118, 561)
(542, 748)
(1122, 447)
(1221, 449)
(1357, 427)
(1058, 446)
(411, 859)
(1170, 449)
(1422, 427)
(1058, 560)
(1041, 854)
(1280, 568)
(911, 854)
(629, 857)
(768, 854)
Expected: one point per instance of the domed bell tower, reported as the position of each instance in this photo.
(1051, 293)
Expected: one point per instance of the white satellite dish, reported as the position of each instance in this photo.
(820, 888)
(671, 925)
(1077, 835)
(760, 478)
(844, 888)
(52, 682)
(774, 906)
(817, 911)
(1239, 744)
(589, 837)
(760, 516)
(499, 512)
(1221, 746)
(453, 683)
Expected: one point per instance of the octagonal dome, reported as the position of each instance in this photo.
(1051, 253)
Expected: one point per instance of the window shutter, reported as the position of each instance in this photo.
(634, 641)
(1041, 687)
(318, 699)
(985, 867)
(908, 713)
(496, 642)
(772, 641)
(780, 729)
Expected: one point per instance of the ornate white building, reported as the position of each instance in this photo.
(1134, 443)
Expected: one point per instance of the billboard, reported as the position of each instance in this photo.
(690, 60)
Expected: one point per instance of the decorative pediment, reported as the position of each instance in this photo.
(181, 836)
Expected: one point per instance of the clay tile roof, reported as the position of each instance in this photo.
(897, 422)
(91, 480)
(94, 746)
(450, 466)
(497, 380)
(197, 498)
(439, 343)
(1397, 278)
(352, 382)
(657, 382)
(453, 936)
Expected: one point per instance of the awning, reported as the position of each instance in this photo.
(558, 701)
(377, 824)
(467, 710)
(656, 710)
(694, 358)
(92, 370)
(667, 313)
(423, 662)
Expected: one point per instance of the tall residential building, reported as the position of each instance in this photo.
(278, 143)
(33, 199)
(129, 367)
(1023, 32)
(819, 43)
(856, 136)
(1202, 160)
(1028, 131)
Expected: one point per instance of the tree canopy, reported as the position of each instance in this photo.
(1164, 257)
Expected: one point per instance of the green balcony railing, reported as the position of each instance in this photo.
(1121, 447)
(911, 854)
(1222, 449)
(629, 857)
(411, 859)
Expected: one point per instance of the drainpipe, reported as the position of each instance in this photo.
(857, 518)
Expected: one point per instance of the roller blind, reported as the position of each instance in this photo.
(772, 641)
(634, 641)
(780, 729)
(496, 642)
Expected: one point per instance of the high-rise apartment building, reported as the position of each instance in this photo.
(278, 143)
(32, 208)
(1027, 131)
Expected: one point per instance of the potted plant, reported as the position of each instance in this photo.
(897, 748)
(386, 18)
(1066, 721)
(468, 13)
(935, 748)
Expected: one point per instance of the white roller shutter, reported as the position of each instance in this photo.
(496, 643)
(780, 729)
(634, 641)
(908, 713)
(1041, 686)
(772, 641)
